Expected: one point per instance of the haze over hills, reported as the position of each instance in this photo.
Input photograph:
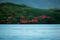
(43, 4)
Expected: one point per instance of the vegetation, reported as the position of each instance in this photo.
(11, 13)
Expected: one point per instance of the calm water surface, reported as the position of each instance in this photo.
(29, 32)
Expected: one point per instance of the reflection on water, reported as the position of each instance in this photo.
(29, 33)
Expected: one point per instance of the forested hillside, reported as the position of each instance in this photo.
(11, 13)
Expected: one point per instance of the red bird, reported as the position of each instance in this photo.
(43, 16)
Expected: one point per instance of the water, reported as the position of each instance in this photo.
(29, 32)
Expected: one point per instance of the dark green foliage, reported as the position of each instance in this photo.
(15, 11)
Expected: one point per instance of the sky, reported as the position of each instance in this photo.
(44, 4)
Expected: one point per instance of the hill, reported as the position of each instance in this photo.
(11, 13)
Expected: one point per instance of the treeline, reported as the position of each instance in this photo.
(11, 13)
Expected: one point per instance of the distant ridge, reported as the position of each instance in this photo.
(14, 11)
